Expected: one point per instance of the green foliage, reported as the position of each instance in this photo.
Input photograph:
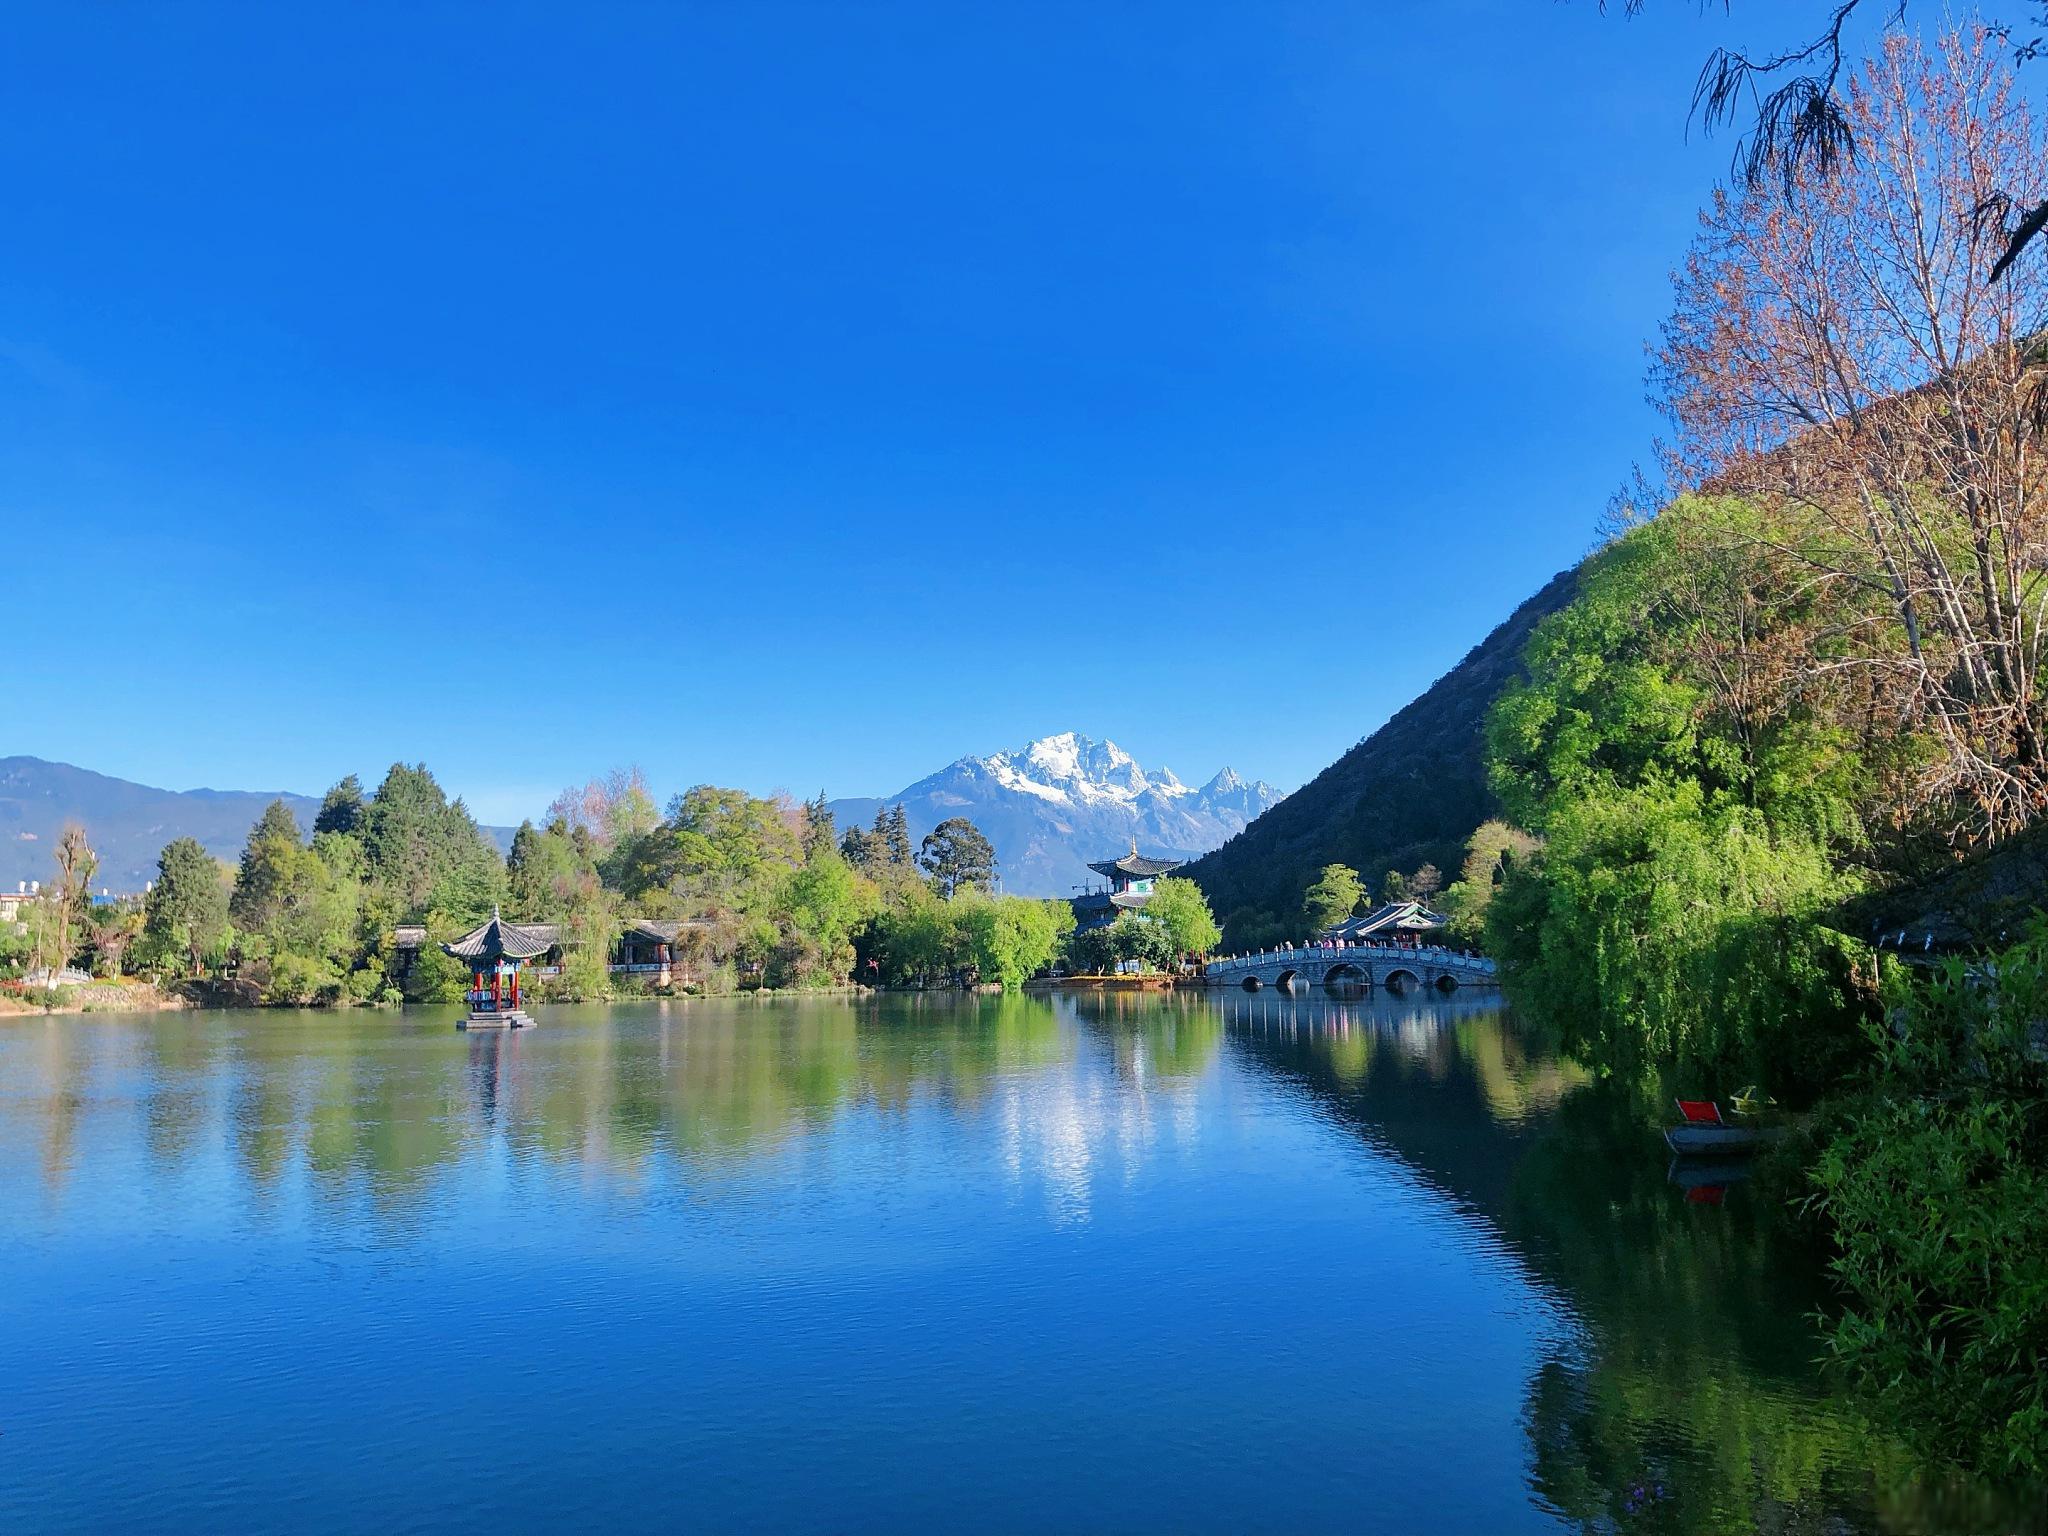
(428, 852)
(1494, 849)
(715, 848)
(1180, 908)
(1935, 1186)
(343, 809)
(958, 857)
(1693, 832)
(861, 848)
(1335, 895)
(437, 977)
(821, 833)
(268, 859)
(892, 826)
(185, 915)
(916, 940)
(1132, 938)
(1008, 939)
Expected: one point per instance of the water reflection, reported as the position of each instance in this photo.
(1667, 1384)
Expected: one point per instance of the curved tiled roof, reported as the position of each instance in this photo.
(500, 940)
(1135, 866)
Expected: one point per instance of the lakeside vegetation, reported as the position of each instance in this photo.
(765, 893)
(1815, 672)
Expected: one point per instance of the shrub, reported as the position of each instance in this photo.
(1936, 1190)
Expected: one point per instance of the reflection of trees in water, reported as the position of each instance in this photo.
(1694, 1404)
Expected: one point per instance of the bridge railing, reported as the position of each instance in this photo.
(1298, 953)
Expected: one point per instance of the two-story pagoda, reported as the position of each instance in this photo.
(1129, 888)
(494, 954)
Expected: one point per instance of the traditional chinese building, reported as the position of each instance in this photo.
(1400, 924)
(1128, 887)
(494, 954)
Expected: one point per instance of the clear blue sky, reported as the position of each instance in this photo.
(800, 396)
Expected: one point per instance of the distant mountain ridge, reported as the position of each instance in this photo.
(127, 823)
(1053, 805)
(1410, 793)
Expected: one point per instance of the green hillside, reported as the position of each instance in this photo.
(1410, 793)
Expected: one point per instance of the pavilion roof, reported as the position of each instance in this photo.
(1135, 866)
(500, 940)
(1390, 917)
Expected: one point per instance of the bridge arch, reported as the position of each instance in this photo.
(1252, 982)
(1447, 982)
(1400, 979)
(1285, 980)
(1345, 973)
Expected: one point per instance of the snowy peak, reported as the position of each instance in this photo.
(1054, 804)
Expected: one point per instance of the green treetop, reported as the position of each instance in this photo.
(1179, 906)
(343, 809)
(186, 912)
(958, 857)
(1334, 897)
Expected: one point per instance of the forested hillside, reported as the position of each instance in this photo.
(1410, 793)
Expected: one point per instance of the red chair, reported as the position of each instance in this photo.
(1700, 1112)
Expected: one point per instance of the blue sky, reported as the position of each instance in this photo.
(800, 396)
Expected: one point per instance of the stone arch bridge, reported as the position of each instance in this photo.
(1395, 967)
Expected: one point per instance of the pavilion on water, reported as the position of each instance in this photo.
(1398, 924)
(494, 954)
(1129, 888)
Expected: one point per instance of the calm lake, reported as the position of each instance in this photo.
(1230, 1264)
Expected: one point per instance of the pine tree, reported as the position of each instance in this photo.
(343, 808)
(893, 827)
(186, 911)
(860, 847)
(266, 867)
(821, 835)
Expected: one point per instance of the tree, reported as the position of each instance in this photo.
(1335, 895)
(1495, 848)
(1840, 355)
(820, 835)
(1394, 887)
(1132, 938)
(186, 911)
(958, 857)
(76, 865)
(1425, 883)
(1009, 939)
(343, 809)
(893, 827)
(716, 848)
(861, 848)
(1802, 129)
(1698, 810)
(608, 811)
(427, 852)
(1182, 910)
(269, 859)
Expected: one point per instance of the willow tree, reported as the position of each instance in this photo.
(1840, 349)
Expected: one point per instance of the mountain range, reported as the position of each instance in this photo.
(1053, 805)
(128, 823)
(1048, 807)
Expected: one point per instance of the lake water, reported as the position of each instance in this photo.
(1021, 1264)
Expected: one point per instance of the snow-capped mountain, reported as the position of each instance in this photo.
(1052, 806)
